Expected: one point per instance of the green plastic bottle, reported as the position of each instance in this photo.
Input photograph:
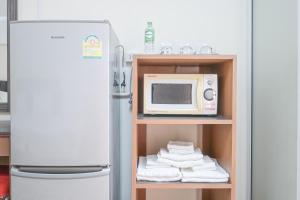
(149, 39)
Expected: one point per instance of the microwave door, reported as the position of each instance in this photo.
(171, 97)
(177, 94)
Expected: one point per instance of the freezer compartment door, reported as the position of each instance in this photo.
(70, 186)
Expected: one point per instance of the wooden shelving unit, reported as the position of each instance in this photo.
(178, 185)
(216, 136)
(182, 120)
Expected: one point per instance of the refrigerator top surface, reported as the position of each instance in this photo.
(61, 21)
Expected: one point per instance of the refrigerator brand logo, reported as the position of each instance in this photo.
(57, 37)
(91, 47)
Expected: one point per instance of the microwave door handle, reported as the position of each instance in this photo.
(199, 95)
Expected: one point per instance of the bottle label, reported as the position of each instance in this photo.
(149, 36)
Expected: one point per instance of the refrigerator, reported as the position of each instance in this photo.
(64, 117)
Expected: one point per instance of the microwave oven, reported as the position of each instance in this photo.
(180, 94)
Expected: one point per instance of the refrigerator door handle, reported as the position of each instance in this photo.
(16, 172)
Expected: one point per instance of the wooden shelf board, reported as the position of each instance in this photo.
(142, 119)
(179, 185)
(182, 59)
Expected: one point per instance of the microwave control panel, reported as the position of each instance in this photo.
(210, 94)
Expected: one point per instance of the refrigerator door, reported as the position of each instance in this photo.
(59, 94)
(77, 186)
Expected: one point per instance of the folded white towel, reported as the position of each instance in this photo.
(219, 173)
(158, 179)
(180, 164)
(208, 164)
(181, 151)
(153, 163)
(179, 145)
(201, 180)
(197, 155)
(157, 174)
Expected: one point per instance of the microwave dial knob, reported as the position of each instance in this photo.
(209, 94)
(209, 82)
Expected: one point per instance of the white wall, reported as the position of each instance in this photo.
(223, 24)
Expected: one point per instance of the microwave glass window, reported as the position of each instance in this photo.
(166, 93)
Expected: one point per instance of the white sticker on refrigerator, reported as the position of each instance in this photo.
(92, 47)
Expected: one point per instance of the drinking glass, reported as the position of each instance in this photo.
(186, 49)
(166, 49)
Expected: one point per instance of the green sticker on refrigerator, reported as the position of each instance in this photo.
(92, 47)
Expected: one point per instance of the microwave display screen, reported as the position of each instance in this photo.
(166, 93)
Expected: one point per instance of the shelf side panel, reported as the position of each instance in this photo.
(225, 78)
(142, 139)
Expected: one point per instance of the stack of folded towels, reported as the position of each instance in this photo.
(180, 161)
